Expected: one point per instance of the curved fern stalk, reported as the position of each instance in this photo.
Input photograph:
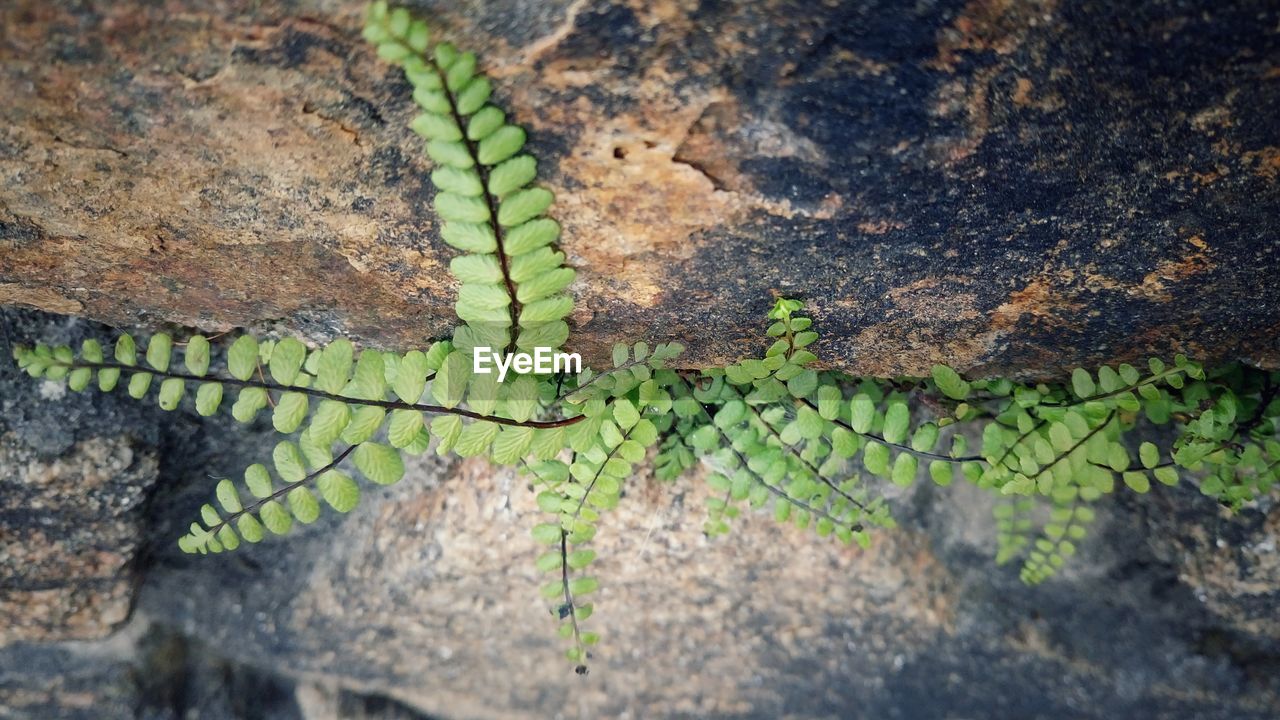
(327, 396)
(513, 294)
(219, 533)
(747, 468)
(618, 429)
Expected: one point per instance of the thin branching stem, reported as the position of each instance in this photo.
(386, 404)
(282, 492)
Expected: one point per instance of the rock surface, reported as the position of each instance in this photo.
(423, 602)
(1003, 186)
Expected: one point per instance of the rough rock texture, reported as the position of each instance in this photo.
(68, 532)
(423, 601)
(1004, 186)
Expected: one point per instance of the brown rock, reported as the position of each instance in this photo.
(971, 185)
(73, 528)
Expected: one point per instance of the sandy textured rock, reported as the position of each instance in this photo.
(71, 529)
(1007, 187)
(423, 602)
(1233, 566)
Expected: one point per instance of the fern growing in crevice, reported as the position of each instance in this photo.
(779, 434)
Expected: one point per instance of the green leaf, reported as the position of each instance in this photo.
(258, 480)
(334, 366)
(547, 533)
(274, 516)
(127, 352)
(941, 473)
(460, 208)
(548, 562)
(436, 126)
(317, 453)
(249, 527)
(475, 438)
(476, 269)
(108, 378)
(522, 398)
(512, 175)
(196, 356)
(1129, 374)
(380, 463)
(208, 398)
(625, 413)
(303, 505)
(228, 538)
(583, 586)
(875, 457)
(1137, 482)
(1061, 438)
(897, 419)
(545, 284)
(286, 360)
(1149, 454)
(546, 310)
(339, 490)
(1167, 475)
(1109, 380)
(925, 437)
(547, 443)
(411, 377)
(844, 443)
(242, 358)
(288, 461)
(863, 413)
(365, 421)
(470, 237)
(228, 497)
(1082, 383)
(329, 421)
(139, 383)
(369, 381)
(512, 444)
(904, 469)
(950, 382)
(444, 152)
(459, 183)
(171, 391)
(530, 236)
(829, 398)
(803, 384)
(159, 350)
(549, 335)
(501, 144)
(404, 427)
(290, 411)
(1118, 457)
(523, 205)
(483, 124)
(447, 428)
(809, 423)
(460, 71)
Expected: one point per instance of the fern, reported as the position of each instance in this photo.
(776, 434)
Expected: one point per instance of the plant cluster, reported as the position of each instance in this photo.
(780, 434)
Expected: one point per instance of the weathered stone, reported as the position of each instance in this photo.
(1231, 564)
(69, 534)
(54, 682)
(1006, 187)
(425, 600)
